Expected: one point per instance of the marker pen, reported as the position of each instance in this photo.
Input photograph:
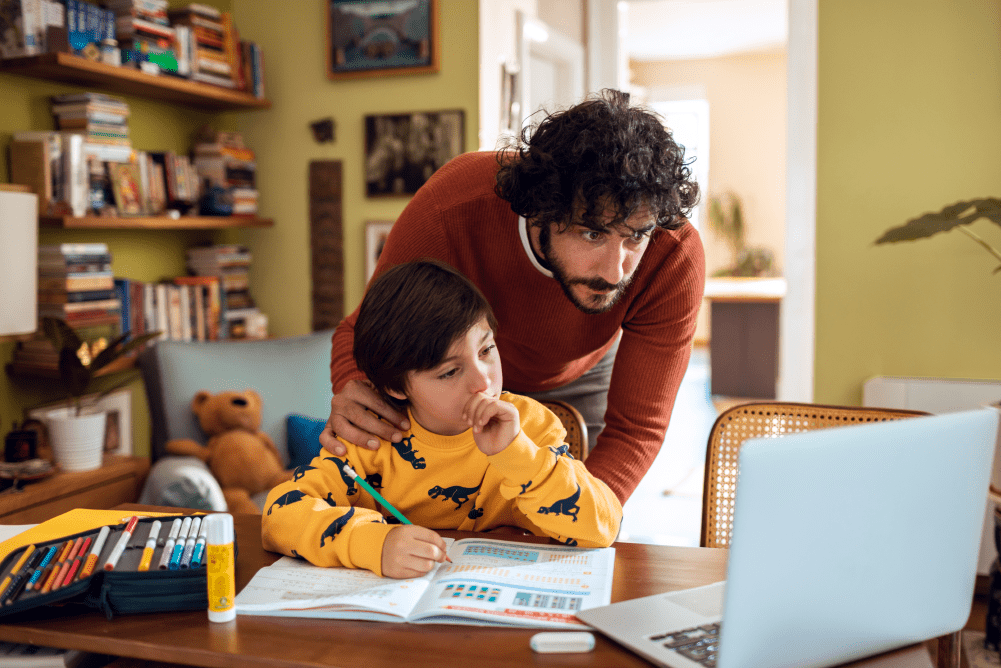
(168, 547)
(41, 566)
(95, 552)
(123, 540)
(175, 557)
(147, 557)
(196, 557)
(189, 544)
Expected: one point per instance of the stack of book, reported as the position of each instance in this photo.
(101, 119)
(230, 263)
(76, 285)
(144, 34)
(222, 160)
(211, 49)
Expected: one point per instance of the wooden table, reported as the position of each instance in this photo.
(188, 637)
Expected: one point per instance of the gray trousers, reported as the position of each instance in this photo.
(588, 394)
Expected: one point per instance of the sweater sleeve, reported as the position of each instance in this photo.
(313, 517)
(555, 493)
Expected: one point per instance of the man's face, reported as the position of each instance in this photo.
(594, 266)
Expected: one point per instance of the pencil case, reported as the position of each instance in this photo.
(123, 590)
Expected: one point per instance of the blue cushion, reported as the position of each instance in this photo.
(303, 435)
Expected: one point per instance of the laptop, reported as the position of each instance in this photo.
(846, 542)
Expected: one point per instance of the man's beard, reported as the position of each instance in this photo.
(599, 303)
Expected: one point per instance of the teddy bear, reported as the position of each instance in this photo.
(243, 459)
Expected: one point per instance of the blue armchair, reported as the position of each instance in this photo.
(292, 375)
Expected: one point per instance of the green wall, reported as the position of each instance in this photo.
(293, 39)
(296, 82)
(909, 120)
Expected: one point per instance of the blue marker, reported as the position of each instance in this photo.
(196, 557)
(189, 544)
(175, 557)
(41, 567)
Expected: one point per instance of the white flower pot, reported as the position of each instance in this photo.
(77, 441)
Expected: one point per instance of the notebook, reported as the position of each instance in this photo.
(846, 542)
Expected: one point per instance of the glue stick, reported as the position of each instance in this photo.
(220, 567)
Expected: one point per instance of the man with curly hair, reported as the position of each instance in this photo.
(577, 236)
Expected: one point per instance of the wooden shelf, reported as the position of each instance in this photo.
(152, 222)
(80, 71)
(120, 364)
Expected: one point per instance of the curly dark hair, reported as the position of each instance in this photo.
(600, 153)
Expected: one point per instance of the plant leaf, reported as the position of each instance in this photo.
(960, 213)
(117, 349)
(74, 375)
(60, 334)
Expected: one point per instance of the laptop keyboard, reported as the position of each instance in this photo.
(698, 644)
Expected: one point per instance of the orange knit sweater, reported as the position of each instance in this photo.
(543, 340)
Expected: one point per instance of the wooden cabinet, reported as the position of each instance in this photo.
(119, 480)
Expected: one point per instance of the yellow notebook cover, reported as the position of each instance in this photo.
(69, 523)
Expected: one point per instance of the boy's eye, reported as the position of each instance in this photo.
(489, 349)
(448, 374)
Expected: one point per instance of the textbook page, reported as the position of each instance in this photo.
(503, 583)
(297, 588)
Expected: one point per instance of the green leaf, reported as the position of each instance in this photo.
(60, 334)
(952, 216)
(74, 375)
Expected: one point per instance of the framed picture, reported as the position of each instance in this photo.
(125, 184)
(376, 232)
(402, 151)
(367, 38)
(118, 430)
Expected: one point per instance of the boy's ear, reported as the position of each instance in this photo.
(396, 395)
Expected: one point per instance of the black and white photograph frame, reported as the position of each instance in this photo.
(367, 38)
(376, 232)
(403, 150)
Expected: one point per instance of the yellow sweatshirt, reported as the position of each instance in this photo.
(441, 482)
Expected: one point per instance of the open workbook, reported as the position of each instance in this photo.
(488, 583)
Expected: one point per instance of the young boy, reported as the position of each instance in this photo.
(475, 458)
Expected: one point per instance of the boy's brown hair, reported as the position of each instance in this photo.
(410, 316)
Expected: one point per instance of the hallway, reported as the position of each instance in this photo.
(674, 517)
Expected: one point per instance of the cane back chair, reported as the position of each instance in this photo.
(574, 423)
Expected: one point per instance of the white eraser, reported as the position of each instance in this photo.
(572, 641)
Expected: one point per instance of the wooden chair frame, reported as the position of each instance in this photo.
(574, 423)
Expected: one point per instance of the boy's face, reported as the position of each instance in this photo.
(439, 395)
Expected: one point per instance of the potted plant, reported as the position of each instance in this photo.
(956, 216)
(76, 431)
(727, 221)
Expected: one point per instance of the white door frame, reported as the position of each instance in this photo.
(535, 38)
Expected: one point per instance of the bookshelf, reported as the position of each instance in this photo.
(152, 222)
(79, 71)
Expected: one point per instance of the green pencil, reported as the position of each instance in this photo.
(378, 497)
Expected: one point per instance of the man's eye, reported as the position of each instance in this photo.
(591, 235)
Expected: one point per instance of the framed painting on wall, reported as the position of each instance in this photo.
(402, 151)
(367, 38)
(376, 232)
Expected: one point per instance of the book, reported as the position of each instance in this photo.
(489, 583)
(68, 249)
(92, 281)
(64, 297)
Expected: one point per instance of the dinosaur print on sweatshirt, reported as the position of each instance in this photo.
(567, 506)
(348, 480)
(335, 527)
(285, 499)
(454, 493)
(406, 450)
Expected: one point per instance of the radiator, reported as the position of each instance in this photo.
(942, 395)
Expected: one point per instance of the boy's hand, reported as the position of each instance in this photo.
(351, 420)
(495, 423)
(411, 551)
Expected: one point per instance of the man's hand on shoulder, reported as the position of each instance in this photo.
(352, 418)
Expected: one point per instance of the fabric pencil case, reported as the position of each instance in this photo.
(72, 569)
